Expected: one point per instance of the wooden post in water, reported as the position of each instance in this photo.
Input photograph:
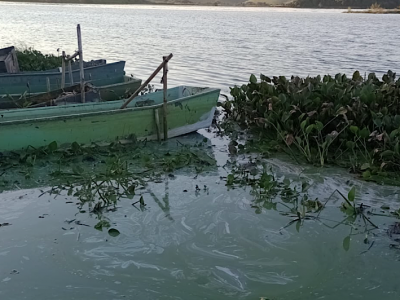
(82, 73)
(164, 81)
(147, 81)
(63, 70)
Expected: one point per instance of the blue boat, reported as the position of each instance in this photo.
(43, 81)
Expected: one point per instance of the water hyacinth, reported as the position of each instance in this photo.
(331, 119)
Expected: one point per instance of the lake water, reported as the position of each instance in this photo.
(207, 244)
(194, 244)
(212, 46)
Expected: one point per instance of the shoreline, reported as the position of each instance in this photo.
(179, 3)
(375, 11)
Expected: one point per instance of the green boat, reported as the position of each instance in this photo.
(188, 109)
(115, 89)
(41, 82)
(123, 88)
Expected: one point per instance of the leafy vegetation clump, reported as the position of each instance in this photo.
(353, 122)
(30, 59)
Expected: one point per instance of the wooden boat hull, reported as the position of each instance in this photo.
(36, 82)
(189, 109)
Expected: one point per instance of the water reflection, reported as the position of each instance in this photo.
(165, 205)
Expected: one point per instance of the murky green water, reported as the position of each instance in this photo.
(204, 244)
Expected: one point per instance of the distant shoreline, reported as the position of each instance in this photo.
(374, 11)
(211, 3)
(173, 2)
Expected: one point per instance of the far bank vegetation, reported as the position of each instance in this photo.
(376, 9)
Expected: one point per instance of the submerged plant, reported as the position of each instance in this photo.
(98, 177)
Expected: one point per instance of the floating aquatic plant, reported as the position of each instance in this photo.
(353, 122)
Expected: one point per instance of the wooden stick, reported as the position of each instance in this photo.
(63, 70)
(71, 78)
(146, 82)
(164, 80)
(82, 73)
(73, 56)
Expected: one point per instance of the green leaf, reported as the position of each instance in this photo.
(75, 147)
(101, 224)
(354, 129)
(113, 232)
(364, 133)
(112, 198)
(352, 194)
(230, 179)
(303, 124)
(366, 174)
(394, 133)
(282, 98)
(365, 166)
(319, 126)
(310, 128)
(356, 76)
(302, 116)
(346, 243)
(253, 78)
(350, 144)
(387, 153)
(52, 146)
(378, 122)
(265, 78)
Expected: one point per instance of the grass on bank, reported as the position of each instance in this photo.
(375, 9)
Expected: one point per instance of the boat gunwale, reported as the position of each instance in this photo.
(134, 79)
(41, 73)
(206, 91)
